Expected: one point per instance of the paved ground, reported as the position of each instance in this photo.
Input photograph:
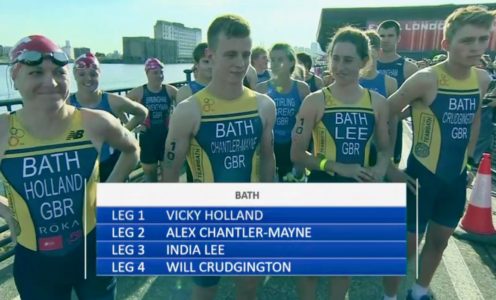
(468, 271)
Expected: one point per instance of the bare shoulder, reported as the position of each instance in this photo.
(118, 98)
(484, 79)
(184, 90)
(410, 68)
(136, 93)
(96, 120)
(171, 89)
(314, 98)
(318, 79)
(266, 109)
(376, 97)
(301, 84)
(378, 101)
(423, 79)
(188, 108)
(183, 93)
(264, 101)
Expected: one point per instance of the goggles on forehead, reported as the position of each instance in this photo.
(85, 64)
(34, 58)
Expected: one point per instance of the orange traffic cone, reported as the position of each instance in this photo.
(478, 217)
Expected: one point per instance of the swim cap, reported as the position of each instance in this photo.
(31, 51)
(33, 43)
(153, 63)
(87, 61)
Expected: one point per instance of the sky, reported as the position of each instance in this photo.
(101, 24)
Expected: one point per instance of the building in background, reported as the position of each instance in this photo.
(138, 49)
(80, 51)
(421, 26)
(67, 49)
(4, 50)
(186, 38)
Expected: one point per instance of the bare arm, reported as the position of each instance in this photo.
(267, 159)
(172, 91)
(104, 128)
(381, 136)
(303, 89)
(391, 85)
(183, 93)
(414, 88)
(135, 94)
(310, 112)
(182, 128)
(409, 69)
(122, 105)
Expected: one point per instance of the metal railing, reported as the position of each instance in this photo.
(15, 104)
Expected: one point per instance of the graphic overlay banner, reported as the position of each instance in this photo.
(251, 229)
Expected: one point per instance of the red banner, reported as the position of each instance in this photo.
(424, 35)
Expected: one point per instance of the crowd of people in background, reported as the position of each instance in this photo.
(295, 126)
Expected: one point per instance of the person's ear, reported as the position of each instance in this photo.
(444, 44)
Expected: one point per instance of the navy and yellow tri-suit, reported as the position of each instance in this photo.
(51, 188)
(441, 133)
(344, 134)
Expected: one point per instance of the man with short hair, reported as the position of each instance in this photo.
(314, 82)
(203, 73)
(446, 107)
(260, 61)
(392, 64)
(224, 113)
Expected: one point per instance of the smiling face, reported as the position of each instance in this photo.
(87, 79)
(230, 58)
(45, 85)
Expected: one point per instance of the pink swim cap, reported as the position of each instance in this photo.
(87, 61)
(153, 63)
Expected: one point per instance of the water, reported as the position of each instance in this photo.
(113, 76)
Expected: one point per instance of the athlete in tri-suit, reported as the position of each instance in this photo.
(445, 102)
(87, 74)
(314, 82)
(206, 128)
(372, 79)
(392, 64)
(260, 61)
(49, 168)
(288, 95)
(203, 73)
(344, 119)
(159, 99)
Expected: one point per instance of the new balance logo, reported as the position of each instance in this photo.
(75, 134)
